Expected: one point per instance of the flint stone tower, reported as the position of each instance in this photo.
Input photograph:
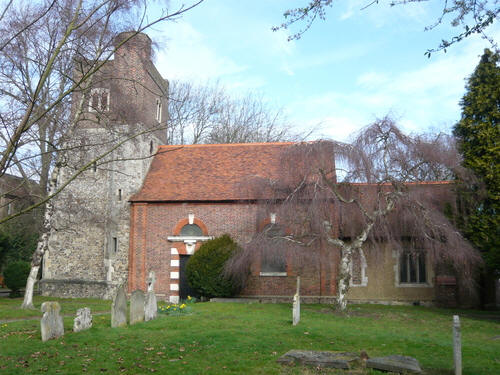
(124, 112)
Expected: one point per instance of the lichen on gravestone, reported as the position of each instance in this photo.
(119, 308)
(322, 359)
(51, 324)
(395, 363)
(83, 320)
(150, 306)
(137, 304)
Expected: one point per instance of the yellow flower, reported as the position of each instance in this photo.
(189, 298)
(183, 305)
(168, 306)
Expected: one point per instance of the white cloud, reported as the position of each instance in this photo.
(188, 55)
(383, 14)
(420, 100)
(372, 79)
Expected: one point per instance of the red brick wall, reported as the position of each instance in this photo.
(152, 223)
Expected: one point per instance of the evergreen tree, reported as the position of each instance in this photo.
(479, 140)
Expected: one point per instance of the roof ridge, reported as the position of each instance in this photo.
(231, 144)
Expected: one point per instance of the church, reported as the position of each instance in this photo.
(146, 206)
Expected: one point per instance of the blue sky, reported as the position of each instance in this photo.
(345, 72)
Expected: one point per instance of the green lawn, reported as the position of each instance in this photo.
(246, 339)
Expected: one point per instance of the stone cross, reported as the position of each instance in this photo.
(457, 345)
(51, 323)
(296, 304)
(119, 308)
(83, 320)
(151, 281)
(137, 300)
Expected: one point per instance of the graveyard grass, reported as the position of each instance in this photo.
(227, 338)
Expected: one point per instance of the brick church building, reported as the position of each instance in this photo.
(148, 206)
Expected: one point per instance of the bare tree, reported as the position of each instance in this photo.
(210, 114)
(50, 52)
(470, 16)
(385, 199)
(42, 44)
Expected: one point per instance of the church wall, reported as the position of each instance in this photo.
(89, 241)
(150, 249)
(381, 282)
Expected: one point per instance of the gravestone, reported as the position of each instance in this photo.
(395, 363)
(296, 305)
(457, 346)
(137, 307)
(83, 320)
(51, 324)
(119, 308)
(320, 359)
(150, 307)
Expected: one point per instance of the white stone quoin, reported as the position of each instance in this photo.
(174, 275)
(174, 286)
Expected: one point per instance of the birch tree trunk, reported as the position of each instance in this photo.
(43, 242)
(344, 277)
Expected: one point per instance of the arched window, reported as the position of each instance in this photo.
(191, 230)
(273, 258)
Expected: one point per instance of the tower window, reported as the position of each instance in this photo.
(158, 110)
(115, 245)
(150, 147)
(119, 194)
(99, 100)
(94, 166)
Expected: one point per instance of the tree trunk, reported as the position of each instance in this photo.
(344, 277)
(30, 284)
(43, 242)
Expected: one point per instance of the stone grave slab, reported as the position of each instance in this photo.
(323, 359)
(150, 307)
(119, 308)
(137, 300)
(83, 320)
(395, 363)
(51, 324)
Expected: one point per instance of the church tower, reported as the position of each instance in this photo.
(123, 116)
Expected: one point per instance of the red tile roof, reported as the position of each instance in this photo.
(214, 172)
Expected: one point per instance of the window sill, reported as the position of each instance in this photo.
(270, 274)
(414, 285)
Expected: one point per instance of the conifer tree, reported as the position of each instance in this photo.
(479, 141)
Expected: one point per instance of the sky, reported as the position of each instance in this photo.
(344, 73)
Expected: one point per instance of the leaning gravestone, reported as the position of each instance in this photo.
(51, 323)
(296, 305)
(395, 363)
(319, 359)
(83, 320)
(150, 307)
(119, 308)
(136, 307)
